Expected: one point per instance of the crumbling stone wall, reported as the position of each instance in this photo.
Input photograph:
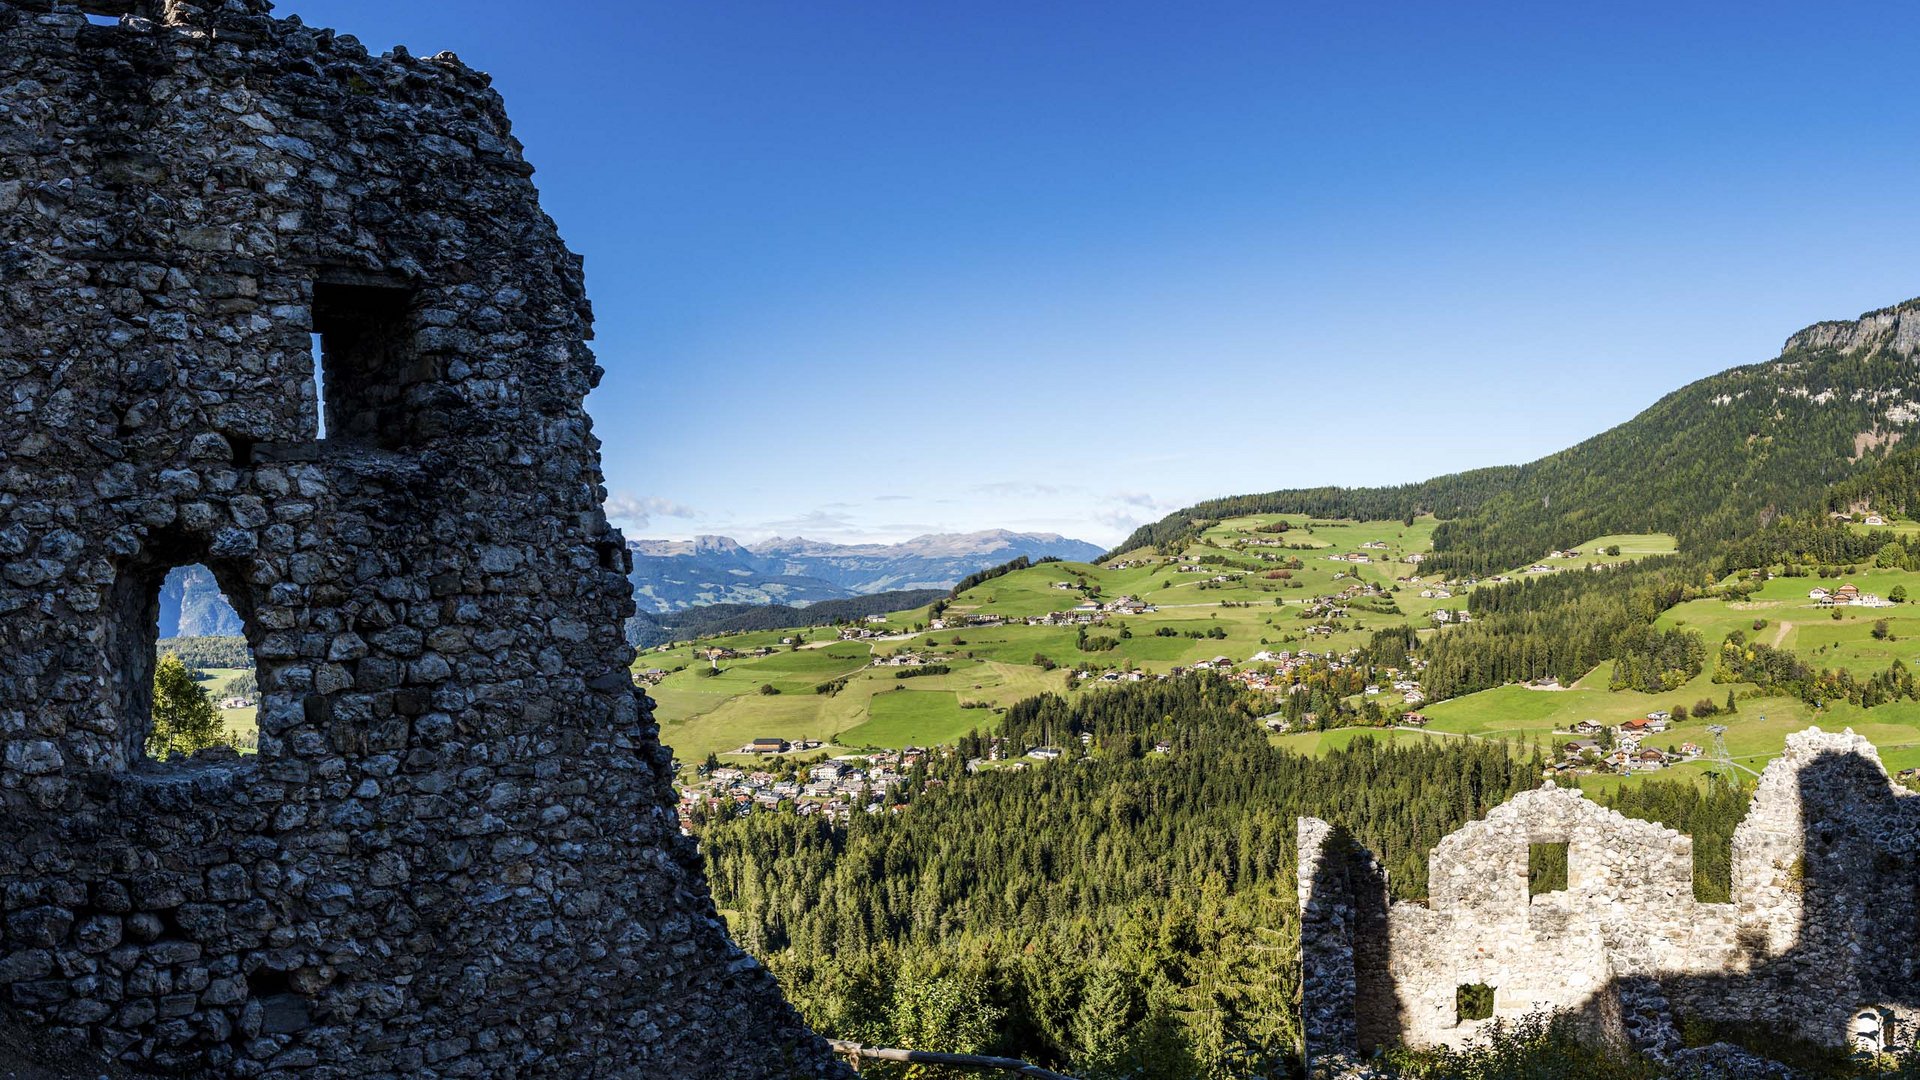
(1824, 923)
(454, 853)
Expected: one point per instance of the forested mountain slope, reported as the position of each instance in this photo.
(1709, 461)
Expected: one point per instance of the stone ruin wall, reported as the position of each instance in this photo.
(1824, 920)
(453, 855)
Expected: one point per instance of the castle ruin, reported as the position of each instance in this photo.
(454, 853)
(1821, 941)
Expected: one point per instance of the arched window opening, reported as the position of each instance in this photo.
(206, 635)
(183, 672)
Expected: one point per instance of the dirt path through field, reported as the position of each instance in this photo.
(1781, 634)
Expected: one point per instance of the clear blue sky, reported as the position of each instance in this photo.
(864, 270)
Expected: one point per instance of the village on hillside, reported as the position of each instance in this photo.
(831, 719)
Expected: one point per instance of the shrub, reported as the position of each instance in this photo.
(184, 719)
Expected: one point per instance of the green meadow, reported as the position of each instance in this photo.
(239, 723)
(1260, 604)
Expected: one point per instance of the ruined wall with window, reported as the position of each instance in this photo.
(1821, 941)
(453, 854)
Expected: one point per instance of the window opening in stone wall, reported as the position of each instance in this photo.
(319, 388)
(1472, 1001)
(1546, 868)
(108, 12)
(206, 688)
(367, 362)
(1867, 1032)
(183, 672)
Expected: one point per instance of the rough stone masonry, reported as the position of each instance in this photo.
(453, 855)
(1821, 941)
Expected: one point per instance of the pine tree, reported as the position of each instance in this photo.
(184, 719)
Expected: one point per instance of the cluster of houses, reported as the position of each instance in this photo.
(955, 622)
(1352, 557)
(237, 702)
(907, 660)
(1628, 751)
(1445, 615)
(1084, 615)
(776, 745)
(835, 788)
(1874, 520)
(1848, 595)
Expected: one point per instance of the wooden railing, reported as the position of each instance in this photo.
(856, 1053)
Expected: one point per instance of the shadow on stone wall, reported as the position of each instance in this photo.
(1852, 897)
(1821, 942)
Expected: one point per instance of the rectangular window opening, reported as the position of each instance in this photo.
(365, 363)
(108, 12)
(1472, 1001)
(319, 389)
(1546, 868)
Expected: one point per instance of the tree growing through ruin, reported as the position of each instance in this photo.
(184, 719)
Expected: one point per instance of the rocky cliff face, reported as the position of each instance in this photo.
(1896, 329)
(191, 605)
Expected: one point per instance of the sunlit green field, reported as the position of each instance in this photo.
(1255, 610)
(237, 722)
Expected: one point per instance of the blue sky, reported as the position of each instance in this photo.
(865, 270)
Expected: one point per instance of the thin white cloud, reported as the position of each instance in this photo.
(819, 521)
(638, 511)
(1020, 488)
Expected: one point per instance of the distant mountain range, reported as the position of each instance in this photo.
(673, 575)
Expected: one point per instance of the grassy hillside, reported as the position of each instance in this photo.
(1709, 461)
(1197, 617)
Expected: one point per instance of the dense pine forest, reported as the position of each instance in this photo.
(1129, 912)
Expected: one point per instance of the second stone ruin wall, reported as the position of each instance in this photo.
(1823, 924)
